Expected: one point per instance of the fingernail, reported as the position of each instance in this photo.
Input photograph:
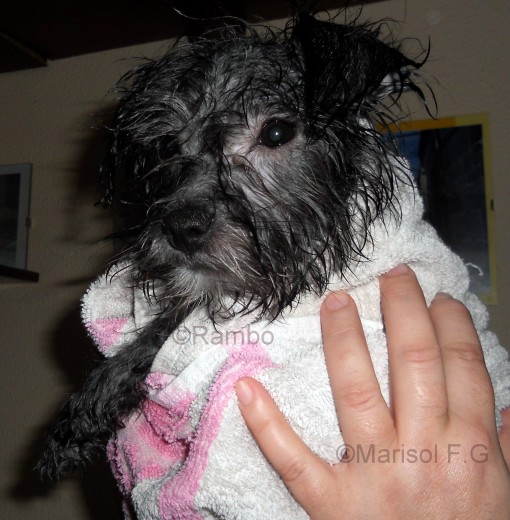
(335, 301)
(244, 392)
(442, 296)
(397, 271)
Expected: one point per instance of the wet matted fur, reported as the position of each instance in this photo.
(254, 164)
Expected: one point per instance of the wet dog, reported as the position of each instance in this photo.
(257, 171)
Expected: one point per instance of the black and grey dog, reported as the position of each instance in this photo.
(243, 154)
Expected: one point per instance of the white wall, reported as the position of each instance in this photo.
(469, 69)
(46, 117)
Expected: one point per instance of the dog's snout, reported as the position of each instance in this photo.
(186, 229)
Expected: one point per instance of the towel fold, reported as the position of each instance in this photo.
(189, 453)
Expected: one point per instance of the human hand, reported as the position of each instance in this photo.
(442, 404)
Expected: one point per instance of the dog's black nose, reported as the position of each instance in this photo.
(186, 229)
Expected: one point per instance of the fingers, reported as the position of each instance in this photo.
(418, 387)
(363, 414)
(504, 436)
(469, 388)
(305, 474)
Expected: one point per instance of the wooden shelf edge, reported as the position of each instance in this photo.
(13, 275)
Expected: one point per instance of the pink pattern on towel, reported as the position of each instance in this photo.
(138, 453)
(151, 443)
(106, 331)
(177, 495)
(161, 440)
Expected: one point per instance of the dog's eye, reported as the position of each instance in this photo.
(277, 132)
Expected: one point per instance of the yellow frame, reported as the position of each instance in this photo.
(459, 121)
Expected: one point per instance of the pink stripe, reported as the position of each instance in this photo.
(120, 469)
(106, 331)
(177, 496)
(171, 424)
(140, 451)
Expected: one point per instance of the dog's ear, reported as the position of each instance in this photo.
(347, 68)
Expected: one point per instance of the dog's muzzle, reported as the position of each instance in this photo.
(187, 229)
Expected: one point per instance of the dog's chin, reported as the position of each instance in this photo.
(224, 276)
(195, 283)
(193, 278)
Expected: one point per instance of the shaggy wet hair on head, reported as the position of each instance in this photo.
(256, 169)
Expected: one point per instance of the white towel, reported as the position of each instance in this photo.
(189, 453)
